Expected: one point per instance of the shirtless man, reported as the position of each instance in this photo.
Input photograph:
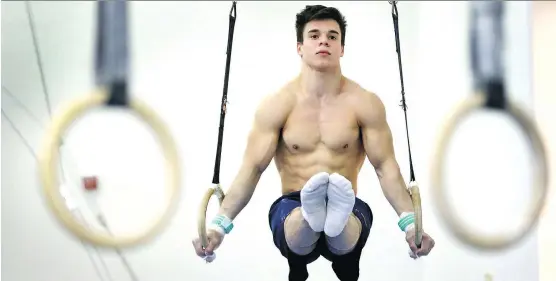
(319, 128)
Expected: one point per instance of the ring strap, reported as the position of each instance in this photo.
(403, 105)
(232, 17)
(112, 54)
(486, 40)
(413, 188)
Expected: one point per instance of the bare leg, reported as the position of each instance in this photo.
(346, 241)
(301, 239)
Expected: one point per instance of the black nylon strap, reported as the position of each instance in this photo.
(216, 175)
(112, 56)
(486, 37)
(403, 105)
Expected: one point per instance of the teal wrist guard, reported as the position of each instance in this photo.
(224, 223)
(406, 220)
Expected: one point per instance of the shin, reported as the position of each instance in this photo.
(301, 239)
(348, 238)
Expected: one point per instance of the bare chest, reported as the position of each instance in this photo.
(311, 125)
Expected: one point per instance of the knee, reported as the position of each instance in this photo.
(346, 242)
(340, 249)
(340, 252)
(301, 250)
(300, 238)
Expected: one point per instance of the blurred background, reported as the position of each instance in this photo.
(178, 54)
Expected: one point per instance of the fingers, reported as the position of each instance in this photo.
(209, 250)
(207, 253)
(426, 247)
(210, 258)
(215, 239)
(412, 246)
(412, 254)
(198, 248)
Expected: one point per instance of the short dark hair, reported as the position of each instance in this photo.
(319, 12)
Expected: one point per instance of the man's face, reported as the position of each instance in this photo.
(322, 44)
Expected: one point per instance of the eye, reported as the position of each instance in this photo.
(314, 36)
(332, 37)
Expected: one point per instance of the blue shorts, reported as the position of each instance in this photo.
(346, 266)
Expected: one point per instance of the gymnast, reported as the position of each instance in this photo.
(318, 128)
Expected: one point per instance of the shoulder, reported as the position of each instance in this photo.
(274, 108)
(367, 105)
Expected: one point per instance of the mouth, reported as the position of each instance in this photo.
(323, 53)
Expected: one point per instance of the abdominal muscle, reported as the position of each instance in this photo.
(297, 168)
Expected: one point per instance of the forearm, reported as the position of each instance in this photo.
(394, 189)
(397, 195)
(240, 192)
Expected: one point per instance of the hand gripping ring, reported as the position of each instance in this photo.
(49, 175)
(540, 178)
(201, 220)
(416, 200)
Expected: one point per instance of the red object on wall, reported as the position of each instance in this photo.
(90, 183)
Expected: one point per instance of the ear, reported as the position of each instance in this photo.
(342, 54)
(299, 51)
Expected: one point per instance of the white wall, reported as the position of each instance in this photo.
(178, 66)
(485, 173)
(544, 42)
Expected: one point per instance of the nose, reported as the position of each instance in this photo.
(323, 41)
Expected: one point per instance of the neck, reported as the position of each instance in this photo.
(320, 83)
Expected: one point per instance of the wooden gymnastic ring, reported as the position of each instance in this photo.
(48, 160)
(201, 219)
(540, 178)
(416, 200)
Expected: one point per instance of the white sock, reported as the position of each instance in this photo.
(313, 201)
(341, 199)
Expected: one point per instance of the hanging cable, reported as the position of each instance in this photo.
(112, 62)
(18, 132)
(34, 155)
(400, 69)
(38, 56)
(22, 106)
(29, 147)
(111, 90)
(232, 20)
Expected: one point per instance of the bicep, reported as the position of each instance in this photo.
(378, 144)
(261, 146)
(263, 137)
(377, 136)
